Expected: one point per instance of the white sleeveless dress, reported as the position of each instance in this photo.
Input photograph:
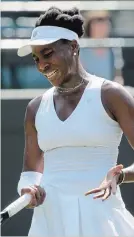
(78, 154)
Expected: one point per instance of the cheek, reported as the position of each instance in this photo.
(61, 61)
(57, 60)
(68, 59)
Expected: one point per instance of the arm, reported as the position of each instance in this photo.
(33, 156)
(121, 104)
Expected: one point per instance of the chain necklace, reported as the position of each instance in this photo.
(62, 90)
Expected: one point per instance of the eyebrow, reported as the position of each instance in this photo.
(45, 49)
(42, 51)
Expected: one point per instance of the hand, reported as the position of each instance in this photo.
(108, 185)
(38, 195)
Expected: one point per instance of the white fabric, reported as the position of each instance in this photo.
(78, 154)
(43, 35)
(28, 178)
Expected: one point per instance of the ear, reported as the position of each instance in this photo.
(74, 47)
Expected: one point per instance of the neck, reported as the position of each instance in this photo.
(74, 81)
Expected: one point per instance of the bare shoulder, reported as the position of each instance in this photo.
(34, 104)
(32, 108)
(118, 102)
(113, 92)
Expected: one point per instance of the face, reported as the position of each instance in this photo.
(55, 61)
(100, 27)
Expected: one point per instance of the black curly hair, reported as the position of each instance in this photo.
(69, 19)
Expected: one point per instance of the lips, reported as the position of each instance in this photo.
(51, 74)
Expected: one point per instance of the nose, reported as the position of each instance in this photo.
(43, 66)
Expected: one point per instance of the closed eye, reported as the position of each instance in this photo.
(47, 55)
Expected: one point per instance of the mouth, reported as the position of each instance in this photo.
(50, 75)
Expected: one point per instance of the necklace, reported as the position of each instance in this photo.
(62, 90)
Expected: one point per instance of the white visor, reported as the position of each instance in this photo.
(44, 35)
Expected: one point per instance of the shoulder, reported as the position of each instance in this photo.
(113, 90)
(116, 97)
(32, 108)
(34, 105)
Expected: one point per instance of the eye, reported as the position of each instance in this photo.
(47, 55)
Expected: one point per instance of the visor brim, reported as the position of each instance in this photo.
(27, 49)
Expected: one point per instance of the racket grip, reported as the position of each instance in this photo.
(18, 205)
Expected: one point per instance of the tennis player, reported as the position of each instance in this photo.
(72, 135)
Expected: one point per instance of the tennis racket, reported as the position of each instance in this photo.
(14, 208)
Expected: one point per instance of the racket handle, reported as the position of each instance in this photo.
(18, 205)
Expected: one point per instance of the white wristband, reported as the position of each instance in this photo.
(28, 178)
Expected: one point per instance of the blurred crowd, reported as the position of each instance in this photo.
(114, 64)
(101, 61)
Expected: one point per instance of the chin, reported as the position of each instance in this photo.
(55, 82)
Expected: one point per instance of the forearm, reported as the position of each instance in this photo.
(33, 162)
(128, 174)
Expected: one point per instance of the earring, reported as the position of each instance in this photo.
(74, 54)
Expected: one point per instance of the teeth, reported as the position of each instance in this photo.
(51, 74)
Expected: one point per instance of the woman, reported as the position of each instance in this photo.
(72, 134)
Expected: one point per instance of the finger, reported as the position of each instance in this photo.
(114, 170)
(120, 166)
(31, 190)
(117, 173)
(117, 167)
(42, 196)
(33, 202)
(96, 190)
(106, 194)
(98, 196)
(41, 190)
(31, 205)
(25, 190)
(38, 194)
(105, 184)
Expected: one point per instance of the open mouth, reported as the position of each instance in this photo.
(51, 74)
